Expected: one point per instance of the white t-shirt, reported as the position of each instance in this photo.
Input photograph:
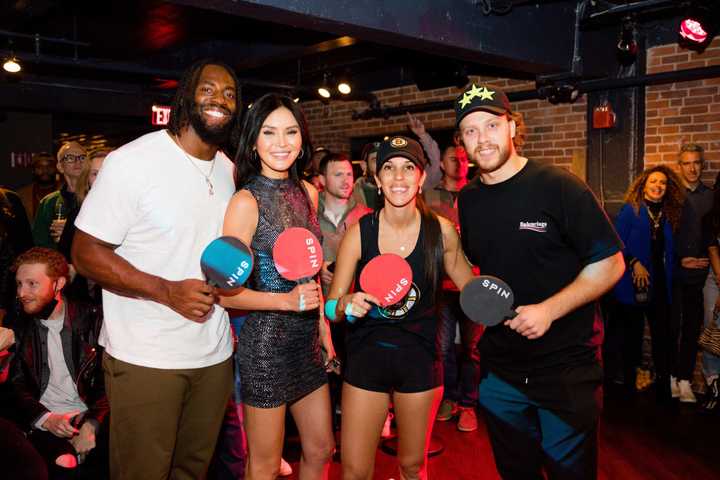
(151, 201)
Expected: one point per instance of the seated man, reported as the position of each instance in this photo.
(56, 376)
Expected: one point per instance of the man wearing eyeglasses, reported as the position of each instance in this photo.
(54, 208)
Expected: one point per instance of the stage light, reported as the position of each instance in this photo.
(697, 27)
(343, 85)
(693, 30)
(323, 90)
(627, 46)
(12, 65)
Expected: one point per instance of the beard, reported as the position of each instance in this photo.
(44, 180)
(490, 165)
(212, 135)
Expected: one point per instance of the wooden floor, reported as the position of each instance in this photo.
(638, 440)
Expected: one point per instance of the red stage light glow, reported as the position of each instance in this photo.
(693, 30)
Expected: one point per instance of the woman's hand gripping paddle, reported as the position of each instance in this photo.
(298, 257)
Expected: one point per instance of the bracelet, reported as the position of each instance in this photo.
(330, 307)
(348, 313)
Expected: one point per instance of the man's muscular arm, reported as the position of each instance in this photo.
(593, 281)
(98, 261)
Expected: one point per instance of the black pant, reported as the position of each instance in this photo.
(632, 321)
(50, 448)
(686, 321)
(18, 458)
(549, 423)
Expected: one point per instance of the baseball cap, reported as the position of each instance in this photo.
(399, 146)
(483, 97)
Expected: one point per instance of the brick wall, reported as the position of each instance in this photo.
(685, 111)
(555, 133)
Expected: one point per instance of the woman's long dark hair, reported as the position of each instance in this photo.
(432, 244)
(247, 161)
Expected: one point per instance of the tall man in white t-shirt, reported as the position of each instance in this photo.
(156, 204)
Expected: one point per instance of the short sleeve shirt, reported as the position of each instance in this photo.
(537, 231)
(153, 201)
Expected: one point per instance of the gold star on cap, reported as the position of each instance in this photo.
(475, 91)
(486, 94)
(465, 100)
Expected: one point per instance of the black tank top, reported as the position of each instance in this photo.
(411, 320)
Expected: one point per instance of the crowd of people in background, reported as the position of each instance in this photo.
(117, 359)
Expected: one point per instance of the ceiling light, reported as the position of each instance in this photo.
(323, 90)
(697, 27)
(343, 84)
(12, 65)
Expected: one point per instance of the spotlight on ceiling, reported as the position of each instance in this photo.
(323, 90)
(559, 93)
(627, 46)
(343, 85)
(698, 26)
(12, 65)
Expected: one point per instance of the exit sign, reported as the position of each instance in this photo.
(160, 115)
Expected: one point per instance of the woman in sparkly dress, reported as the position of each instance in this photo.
(279, 345)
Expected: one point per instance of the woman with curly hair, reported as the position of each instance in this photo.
(646, 224)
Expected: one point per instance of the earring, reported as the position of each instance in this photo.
(302, 152)
(254, 154)
(379, 191)
(420, 190)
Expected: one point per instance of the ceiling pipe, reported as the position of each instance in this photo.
(583, 86)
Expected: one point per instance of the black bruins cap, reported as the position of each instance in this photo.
(399, 146)
(484, 97)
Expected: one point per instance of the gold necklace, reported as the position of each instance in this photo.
(211, 188)
(656, 222)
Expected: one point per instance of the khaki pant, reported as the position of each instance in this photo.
(164, 423)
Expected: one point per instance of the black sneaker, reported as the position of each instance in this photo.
(712, 397)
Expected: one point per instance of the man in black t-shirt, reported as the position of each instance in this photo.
(541, 230)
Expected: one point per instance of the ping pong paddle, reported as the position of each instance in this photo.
(487, 300)
(226, 263)
(297, 254)
(388, 277)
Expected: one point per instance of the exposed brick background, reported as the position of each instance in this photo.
(683, 112)
(555, 133)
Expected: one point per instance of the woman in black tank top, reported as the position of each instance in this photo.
(392, 352)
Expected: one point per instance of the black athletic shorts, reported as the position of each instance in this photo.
(385, 368)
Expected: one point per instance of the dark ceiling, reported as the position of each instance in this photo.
(140, 47)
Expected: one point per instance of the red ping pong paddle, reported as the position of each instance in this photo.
(297, 254)
(387, 277)
(487, 300)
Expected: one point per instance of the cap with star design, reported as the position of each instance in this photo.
(483, 97)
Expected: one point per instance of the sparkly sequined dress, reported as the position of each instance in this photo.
(278, 352)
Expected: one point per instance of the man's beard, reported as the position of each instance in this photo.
(44, 180)
(503, 155)
(216, 136)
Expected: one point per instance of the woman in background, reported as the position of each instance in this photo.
(646, 224)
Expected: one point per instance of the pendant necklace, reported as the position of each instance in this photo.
(655, 222)
(211, 188)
